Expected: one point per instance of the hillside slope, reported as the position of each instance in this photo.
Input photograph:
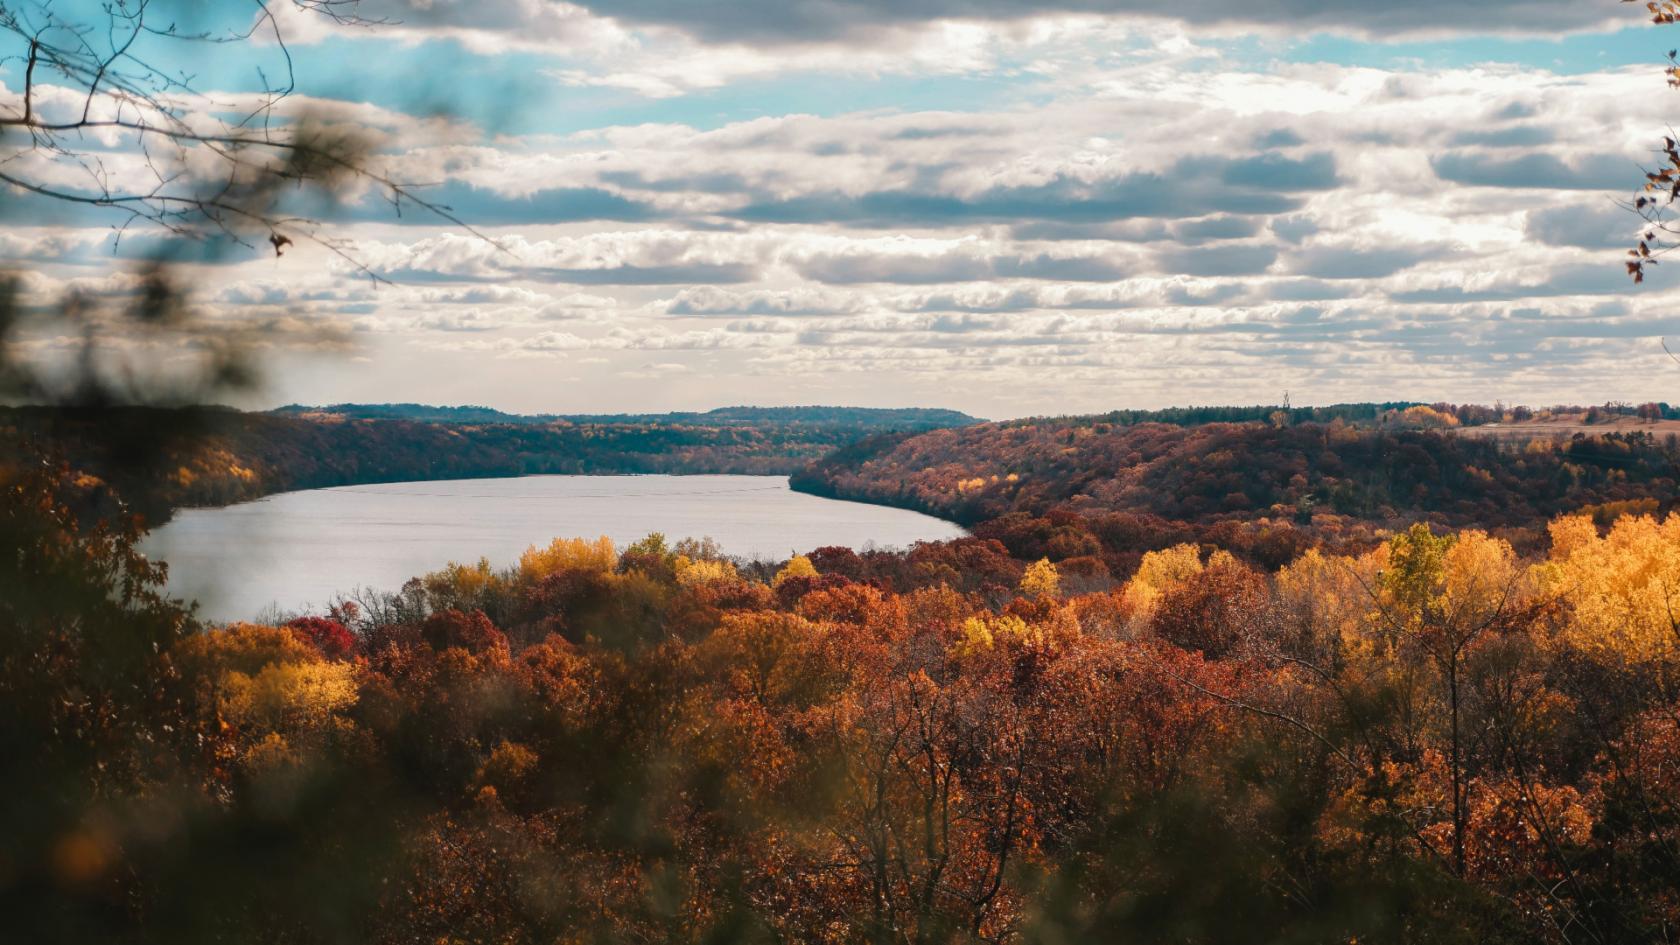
(160, 460)
(1077, 487)
(855, 419)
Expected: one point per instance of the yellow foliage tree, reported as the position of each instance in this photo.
(692, 572)
(1438, 597)
(243, 647)
(1041, 580)
(462, 586)
(568, 554)
(983, 633)
(797, 567)
(1623, 589)
(289, 695)
(263, 680)
(1449, 584)
(1424, 418)
(1328, 597)
(1161, 571)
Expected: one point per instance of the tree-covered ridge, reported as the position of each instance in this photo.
(1094, 490)
(1436, 740)
(874, 419)
(1396, 415)
(163, 459)
(1365, 413)
(862, 419)
(420, 413)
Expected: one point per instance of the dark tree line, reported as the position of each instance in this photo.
(163, 459)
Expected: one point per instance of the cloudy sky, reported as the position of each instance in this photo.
(1000, 206)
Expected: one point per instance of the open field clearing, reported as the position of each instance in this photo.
(1568, 426)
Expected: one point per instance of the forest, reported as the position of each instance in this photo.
(937, 461)
(1394, 672)
(161, 459)
(854, 419)
(1093, 495)
(1441, 708)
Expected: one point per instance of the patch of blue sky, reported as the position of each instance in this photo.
(1573, 54)
(820, 94)
(507, 93)
(521, 93)
(98, 26)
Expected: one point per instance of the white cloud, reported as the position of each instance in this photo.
(1129, 230)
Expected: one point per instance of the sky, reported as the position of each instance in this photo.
(1004, 207)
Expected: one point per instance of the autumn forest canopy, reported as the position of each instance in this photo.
(1371, 670)
(1370, 677)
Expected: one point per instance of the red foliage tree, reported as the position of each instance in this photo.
(332, 638)
(1216, 612)
(471, 632)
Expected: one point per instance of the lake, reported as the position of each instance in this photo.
(301, 549)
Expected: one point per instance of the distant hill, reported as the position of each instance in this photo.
(1081, 487)
(161, 460)
(1111, 484)
(1359, 413)
(872, 419)
(420, 413)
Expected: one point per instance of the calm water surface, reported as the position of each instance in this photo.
(303, 548)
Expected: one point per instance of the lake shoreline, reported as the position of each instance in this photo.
(303, 548)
